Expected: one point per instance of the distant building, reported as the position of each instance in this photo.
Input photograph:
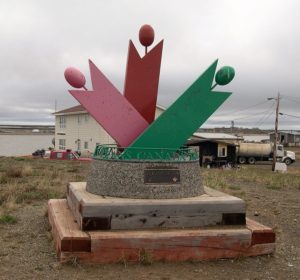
(215, 149)
(76, 129)
(27, 129)
(257, 138)
(215, 152)
(287, 137)
(216, 136)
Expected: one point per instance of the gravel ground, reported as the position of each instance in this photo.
(27, 250)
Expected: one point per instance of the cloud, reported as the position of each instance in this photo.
(39, 39)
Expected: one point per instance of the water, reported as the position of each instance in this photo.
(18, 145)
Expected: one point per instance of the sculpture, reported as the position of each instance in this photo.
(145, 194)
(129, 119)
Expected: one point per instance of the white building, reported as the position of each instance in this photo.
(76, 129)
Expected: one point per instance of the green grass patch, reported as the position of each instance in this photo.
(145, 257)
(19, 159)
(79, 178)
(34, 194)
(235, 188)
(73, 170)
(3, 179)
(8, 219)
(273, 187)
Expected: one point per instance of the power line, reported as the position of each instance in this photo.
(245, 109)
(283, 114)
(249, 116)
(261, 122)
(294, 97)
(266, 114)
(257, 114)
(291, 100)
(269, 112)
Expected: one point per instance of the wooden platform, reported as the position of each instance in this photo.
(94, 212)
(109, 246)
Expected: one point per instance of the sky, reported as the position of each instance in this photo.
(259, 38)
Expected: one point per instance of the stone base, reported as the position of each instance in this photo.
(144, 179)
(93, 212)
(154, 245)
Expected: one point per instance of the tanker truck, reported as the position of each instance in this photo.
(252, 152)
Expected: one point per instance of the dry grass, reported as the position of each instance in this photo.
(251, 175)
(30, 180)
(145, 257)
(25, 180)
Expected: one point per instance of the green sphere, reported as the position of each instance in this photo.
(224, 76)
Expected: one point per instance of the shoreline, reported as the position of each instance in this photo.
(27, 133)
(18, 144)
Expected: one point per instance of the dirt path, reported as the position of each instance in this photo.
(27, 252)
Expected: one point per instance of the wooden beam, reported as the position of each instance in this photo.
(157, 245)
(66, 233)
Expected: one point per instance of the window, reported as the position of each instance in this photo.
(59, 155)
(222, 150)
(62, 121)
(86, 118)
(86, 145)
(62, 144)
(78, 145)
(70, 156)
(79, 119)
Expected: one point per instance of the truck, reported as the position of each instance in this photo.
(252, 152)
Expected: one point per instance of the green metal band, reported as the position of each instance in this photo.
(113, 152)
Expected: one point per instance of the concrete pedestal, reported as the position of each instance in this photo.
(155, 220)
(145, 179)
(93, 212)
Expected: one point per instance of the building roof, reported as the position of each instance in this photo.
(74, 109)
(293, 132)
(216, 136)
(81, 109)
(256, 137)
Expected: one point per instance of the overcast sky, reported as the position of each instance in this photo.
(260, 39)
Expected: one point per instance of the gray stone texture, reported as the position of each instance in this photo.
(126, 179)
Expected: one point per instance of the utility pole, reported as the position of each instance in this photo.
(276, 133)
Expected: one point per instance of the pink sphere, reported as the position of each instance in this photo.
(146, 35)
(74, 77)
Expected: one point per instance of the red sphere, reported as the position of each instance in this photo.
(74, 77)
(146, 35)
